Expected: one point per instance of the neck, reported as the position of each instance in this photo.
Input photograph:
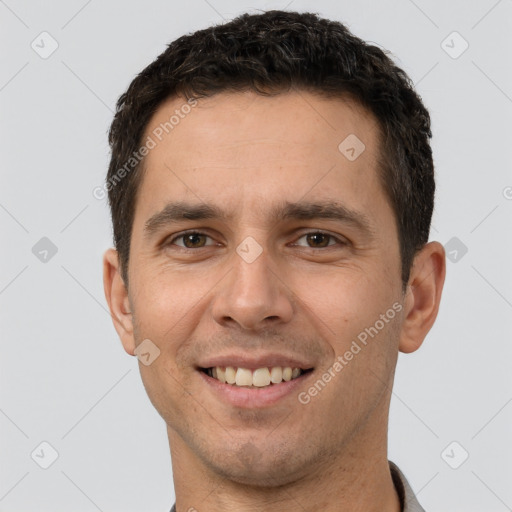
(357, 479)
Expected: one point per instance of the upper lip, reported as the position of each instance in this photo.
(252, 362)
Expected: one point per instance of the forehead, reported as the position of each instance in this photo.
(247, 149)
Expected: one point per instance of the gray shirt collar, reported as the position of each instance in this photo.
(408, 500)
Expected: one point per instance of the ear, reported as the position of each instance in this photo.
(423, 296)
(116, 294)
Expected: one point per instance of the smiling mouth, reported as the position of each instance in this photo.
(258, 378)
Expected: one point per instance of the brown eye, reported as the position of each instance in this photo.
(318, 239)
(191, 240)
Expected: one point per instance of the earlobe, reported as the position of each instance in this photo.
(423, 296)
(116, 294)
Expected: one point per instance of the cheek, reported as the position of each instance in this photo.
(165, 305)
(167, 308)
(343, 304)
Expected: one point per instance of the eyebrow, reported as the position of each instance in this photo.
(181, 211)
(323, 210)
(178, 212)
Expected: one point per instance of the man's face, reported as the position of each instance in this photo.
(271, 282)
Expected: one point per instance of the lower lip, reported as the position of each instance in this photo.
(250, 398)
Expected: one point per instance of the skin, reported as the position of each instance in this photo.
(309, 296)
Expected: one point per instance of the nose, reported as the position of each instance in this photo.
(253, 295)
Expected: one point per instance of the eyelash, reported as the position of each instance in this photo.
(317, 232)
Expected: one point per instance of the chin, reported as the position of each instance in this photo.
(251, 466)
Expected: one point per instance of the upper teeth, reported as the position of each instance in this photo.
(260, 377)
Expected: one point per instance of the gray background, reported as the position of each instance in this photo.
(65, 378)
